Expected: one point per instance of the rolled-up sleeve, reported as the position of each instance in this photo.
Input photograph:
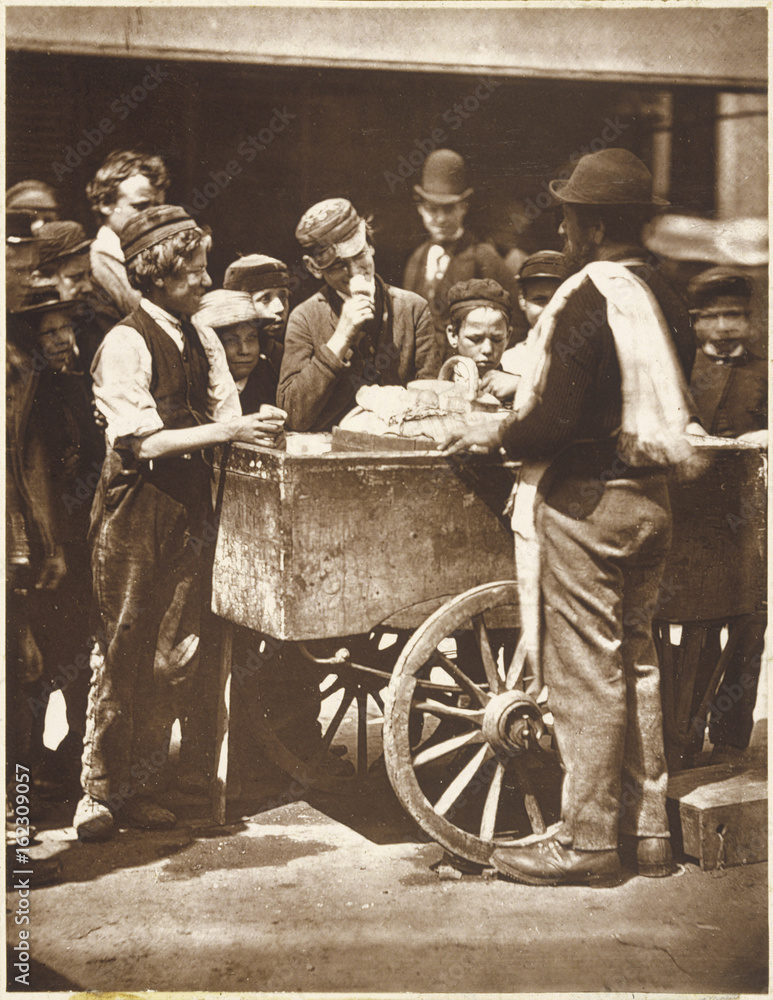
(122, 371)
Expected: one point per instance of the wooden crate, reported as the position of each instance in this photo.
(719, 814)
(317, 546)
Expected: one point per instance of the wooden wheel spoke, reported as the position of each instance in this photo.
(456, 671)
(362, 734)
(437, 708)
(491, 805)
(489, 663)
(516, 668)
(438, 750)
(461, 781)
(337, 719)
(376, 696)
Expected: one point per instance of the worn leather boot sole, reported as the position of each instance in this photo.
(608, 872)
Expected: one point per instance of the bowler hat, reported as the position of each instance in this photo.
(151, 226)
(255, 273)
(60, 239)
(444, 178)
(609, 177)
(331, 230)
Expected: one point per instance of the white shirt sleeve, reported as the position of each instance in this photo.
(222, 394)
(121, 371)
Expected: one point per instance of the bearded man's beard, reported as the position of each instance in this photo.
(578, 255)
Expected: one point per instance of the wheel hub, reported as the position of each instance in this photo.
(512, 721)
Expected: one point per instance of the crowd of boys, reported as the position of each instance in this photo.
(124, 370)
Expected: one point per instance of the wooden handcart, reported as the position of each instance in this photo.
(407, 556)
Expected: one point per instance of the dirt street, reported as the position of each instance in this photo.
(343, 895)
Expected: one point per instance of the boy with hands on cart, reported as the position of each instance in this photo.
(165, 391)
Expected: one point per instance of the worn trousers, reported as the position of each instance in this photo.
(147, 558)
(604, 547)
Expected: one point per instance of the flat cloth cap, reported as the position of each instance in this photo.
(544, 264)
(60, 239)
(465, 296)
(716, 282)
(225, 307)
(152, 226)
(256, 272)
(332, 230)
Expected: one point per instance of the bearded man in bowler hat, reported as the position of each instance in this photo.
(452, 253)
(605, 403)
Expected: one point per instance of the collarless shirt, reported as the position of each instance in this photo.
(123, 369)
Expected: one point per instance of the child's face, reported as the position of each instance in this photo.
(482, 337)
(723, 323)
(56, 339)
(272, 306)
(181, 292)
(535, 295)
(242, 348)
(73, 277)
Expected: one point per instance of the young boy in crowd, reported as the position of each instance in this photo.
(163, 386)
(480, 313)
(127, 183)
(73, 451)
(538, 280)
(64, 261)
(232, 316)
(355, 331)
(729, 384)
(267, 281)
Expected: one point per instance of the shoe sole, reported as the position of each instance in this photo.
(593, 881)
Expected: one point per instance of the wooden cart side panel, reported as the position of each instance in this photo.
(368, 542)
(717, 565)
(314, 547)
(252, 550)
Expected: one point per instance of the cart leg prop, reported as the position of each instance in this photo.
(223, 725)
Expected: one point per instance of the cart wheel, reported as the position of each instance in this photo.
(342, 701)
(475, 776)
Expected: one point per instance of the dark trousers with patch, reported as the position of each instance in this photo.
(600, 576)
(147, 559)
